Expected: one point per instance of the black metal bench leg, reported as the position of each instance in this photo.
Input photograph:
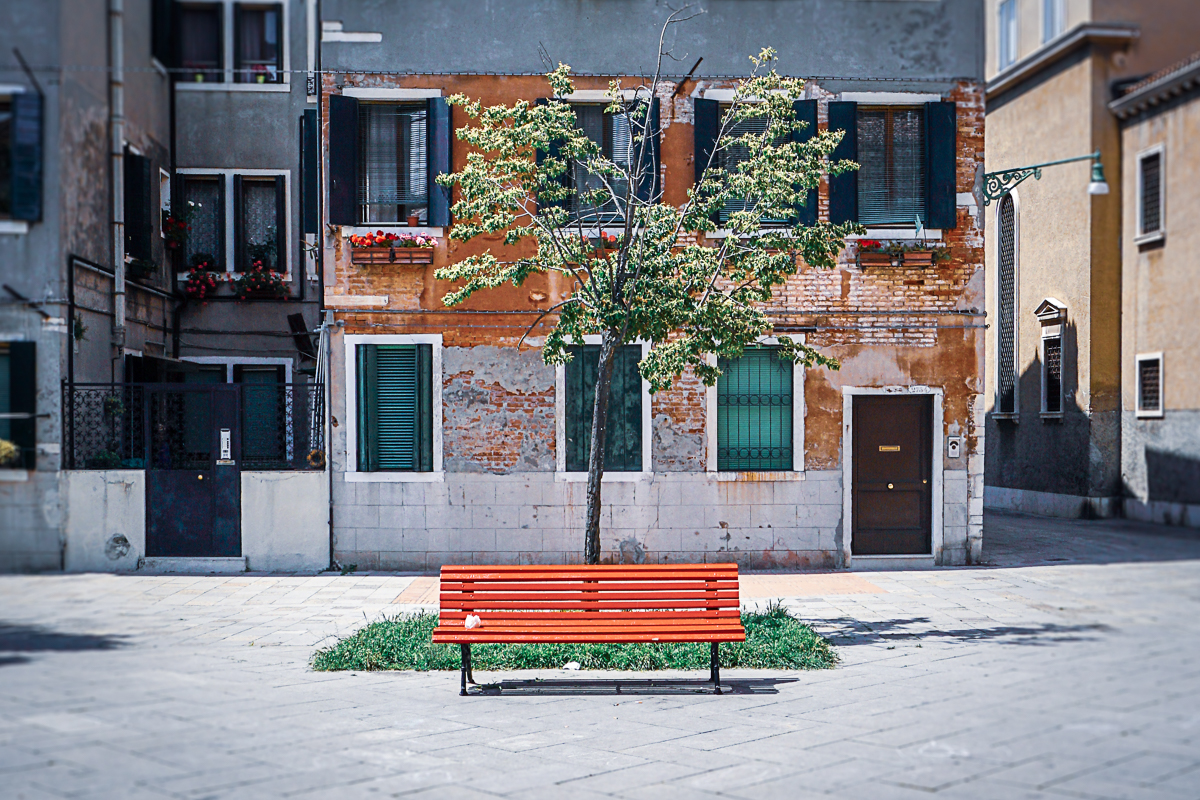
(470, 674)
(716, 669)
(466, 667)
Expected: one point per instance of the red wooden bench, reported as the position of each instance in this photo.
(600, 603)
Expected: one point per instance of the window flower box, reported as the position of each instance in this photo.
(874, 253)
(874, 260)
(919, 259)
(390, 248)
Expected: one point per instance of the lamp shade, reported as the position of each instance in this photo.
(1098, 184)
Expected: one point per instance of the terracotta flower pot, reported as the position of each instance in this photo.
(391, 255)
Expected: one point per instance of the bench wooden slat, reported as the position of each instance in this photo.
(665, 597)
(527, 585)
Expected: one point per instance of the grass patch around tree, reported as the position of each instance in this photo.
(774, 640)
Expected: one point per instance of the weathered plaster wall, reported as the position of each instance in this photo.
(285, 521)
(105, 527)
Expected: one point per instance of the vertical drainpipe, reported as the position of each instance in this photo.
(116, 120)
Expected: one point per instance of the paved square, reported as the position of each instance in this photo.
(1068, 667)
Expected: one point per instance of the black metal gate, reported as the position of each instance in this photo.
(193, 474)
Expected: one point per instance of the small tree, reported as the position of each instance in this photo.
(648, 283)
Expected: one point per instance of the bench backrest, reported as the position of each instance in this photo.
(597, 592)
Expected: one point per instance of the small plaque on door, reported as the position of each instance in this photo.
(889, 448)
(225, 462)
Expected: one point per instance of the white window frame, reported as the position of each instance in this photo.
(164, 199)
(1149, 413)
(1143, 237)
(1016, 412)
(1054, 332)
(560, 426)
(227, 176)
(1054, 19)
(352, 475)
(227, 45)
(796, 473)
(1008, 34)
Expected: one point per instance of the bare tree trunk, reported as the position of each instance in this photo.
(604, 370)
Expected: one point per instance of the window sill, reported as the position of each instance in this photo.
(883, 234)
(608, 477)
(393, 227)
(233, 87)
(759, 477)
(1051, 416)
(15, 227)
(1009, 416)
(1150, 238)
(395, 477)
(726, 233)
(1150, 414)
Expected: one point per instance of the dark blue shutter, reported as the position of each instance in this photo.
(22, 376)
(706, 127)
(806, 112)
(648, 187)
(309, 186)
(138, 228)
(343, 160)
(281, 225)
(843, 189)
(27, 156)
(941, 153)
(542, 155)
(439, 142)
(161, 32)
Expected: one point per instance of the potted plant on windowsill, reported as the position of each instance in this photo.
(202, 277)
(392, 248)
(874, 253)
(261, 282)
(140, 269)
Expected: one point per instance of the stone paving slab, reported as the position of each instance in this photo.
(1028, 677)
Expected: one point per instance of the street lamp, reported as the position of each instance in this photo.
(998, 184)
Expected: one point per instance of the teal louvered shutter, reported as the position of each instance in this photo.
(623, 448)
(806, 112)
(648, 187)
(22, 399)
(26, 169)
(439, 143)
(395, 408)
(343, 160)
(843, 189)
(941, 168)
(754, 412)
(309, 184)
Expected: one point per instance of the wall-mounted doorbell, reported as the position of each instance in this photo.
(954, 446)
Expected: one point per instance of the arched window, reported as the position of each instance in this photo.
(1006, 308)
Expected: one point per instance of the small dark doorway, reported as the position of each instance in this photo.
(193, 479)
(891, 493)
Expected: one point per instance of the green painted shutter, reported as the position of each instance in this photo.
(648, 187)
(138, 223)
(439, 141)
(843, 189)
(26, 171)
(395, 408)
(754, 412)
(22, 375)
(623, 449)
(553, 152)
(806, 112)
(941, 167)
(309, 185)
(343, 160)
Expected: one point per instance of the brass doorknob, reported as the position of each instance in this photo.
(889, 486)
(201, 477)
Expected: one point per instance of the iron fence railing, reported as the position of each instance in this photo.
(171, 426)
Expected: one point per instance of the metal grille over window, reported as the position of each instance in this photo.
(613, 133)
(1006, 361)
(1152, 193)
(1150, 384)
(206, 233)
(392, 179)
(623, 445)
(754, 412)
(1052, 348)
(891, 154)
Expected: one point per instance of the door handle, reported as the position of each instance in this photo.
(201, 477)
(889, 486)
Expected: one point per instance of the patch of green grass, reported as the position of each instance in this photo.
(774, 640)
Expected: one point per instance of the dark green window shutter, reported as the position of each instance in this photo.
(553, 152)
(395, 408)
(281, 225)
(161, 32)
(343, 160)
(27, 156)
(138, 225)
(239, 227)
(843, 189)
(941, 152)
(309, 186)
(706, 127)
(806, 112)
(623, 448)
(22, 382)
(439, 142)
(754, 412)
(648, 187)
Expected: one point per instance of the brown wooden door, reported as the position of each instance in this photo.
(891, 491)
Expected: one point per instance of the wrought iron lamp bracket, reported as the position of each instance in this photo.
(998, 184)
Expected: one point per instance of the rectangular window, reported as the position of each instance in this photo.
(1052, 375)
(392, 183)
(891, 175)
(1150, 194)
(204, 200)
(18, 404)
(612, 132)
(265, 417)
(258, 54)
(754, 412)
(1150, 385)
(259, 216)
(1053, 19)
(6, 119)
(200, 39)
(729, 158)
(1006, 302)
(1007, 25)
(623, 448)
(395, 408)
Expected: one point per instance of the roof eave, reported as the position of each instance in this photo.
(1058, 49)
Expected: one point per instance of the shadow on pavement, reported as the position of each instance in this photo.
(36, 639)
(846, 631)
(621, 686)
(1015, 540)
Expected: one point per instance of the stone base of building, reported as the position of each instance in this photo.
(1049, 504)
(1185, 515)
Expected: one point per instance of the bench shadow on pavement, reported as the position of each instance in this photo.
(847, 631)
(18, 639)
(628, 686)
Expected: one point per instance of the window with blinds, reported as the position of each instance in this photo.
(1149, 386)
(613, 134)
(891, 175)
(623, 445)
(729, 158)
(1150, 199)
(1052, 375)
(393, 153)
(395, 408)
(1006, 323)
(754, 412)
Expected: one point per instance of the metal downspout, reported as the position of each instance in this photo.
(116, 120)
